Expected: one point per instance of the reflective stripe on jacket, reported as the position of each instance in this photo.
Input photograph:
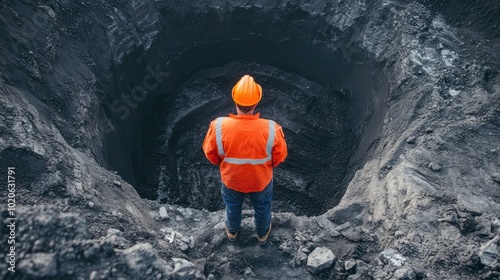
(246, 148)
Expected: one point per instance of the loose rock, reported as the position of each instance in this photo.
(324, 223)
(343, 226)
(495, 225)
(350, 264)
(489, 252)
(249, 272)
(181, 265)
(411, 140)
(405, 273)
(302, 257)
(496, 177)
(360, 265)
(391, 256)
(483, 225)
(434, 166)
(39, 265)
(142, 256)
(116, 239)
(163, 213)
(321, 258)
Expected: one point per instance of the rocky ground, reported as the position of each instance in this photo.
(420, 198)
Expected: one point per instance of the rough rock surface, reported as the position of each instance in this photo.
(320, 259)
(421, 89)
(490, 252)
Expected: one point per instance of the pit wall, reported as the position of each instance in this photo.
(297, 38)
(437, 151)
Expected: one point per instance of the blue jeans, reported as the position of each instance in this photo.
(261, 202)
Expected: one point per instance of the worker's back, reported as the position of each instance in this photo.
(249, 148)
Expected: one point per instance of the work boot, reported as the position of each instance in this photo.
(263, 239)
(231, 236)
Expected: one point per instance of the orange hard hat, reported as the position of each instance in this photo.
(247, 92)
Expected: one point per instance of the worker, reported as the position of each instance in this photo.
(246, 148)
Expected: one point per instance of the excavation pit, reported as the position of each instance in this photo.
(318, 132)
(329, 100)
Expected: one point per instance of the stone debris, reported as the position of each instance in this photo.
(363, 271)
(90, 204)
(303, 236)
(182, 265)
(117, 214)
(302, 256)
(320, 259)
(391, 256)
(411, 140)
(249, 272)
(325, 223)
(348, 231)
(350, 264)
(450, 232)
(360, 265)
(353, 234)
(338, 266)
(405, 273)
(483, 225)
(116, 239)
(142, 256)
(380, 274)
(182, 242)
(185, 270)
(343, 226)
(39, 265)
(434, 166)
(495, 225)
(496, 177)
(472, 204)
(489, 253)
(163, 213)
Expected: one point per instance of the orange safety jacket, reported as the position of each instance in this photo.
(247, 148)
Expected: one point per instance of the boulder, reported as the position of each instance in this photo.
(321, 258)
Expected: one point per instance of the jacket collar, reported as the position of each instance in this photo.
(245, 117)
